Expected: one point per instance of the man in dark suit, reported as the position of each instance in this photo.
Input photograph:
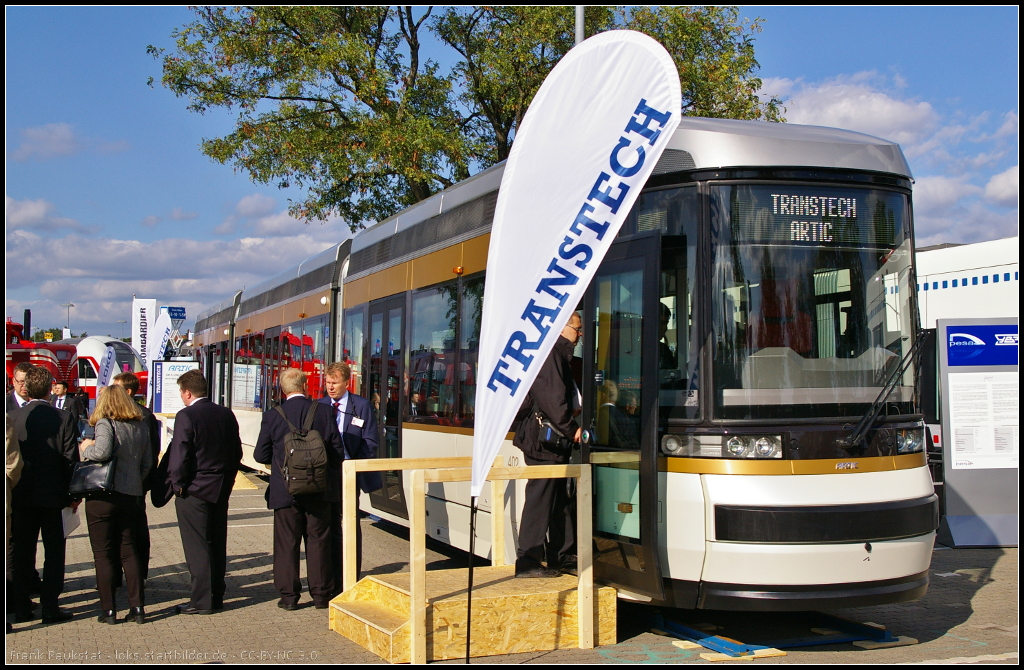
(130, 383)
(203, 460)
(19, 396)
(48, 438)
(305, 517)
(60, 399)
(357, 423)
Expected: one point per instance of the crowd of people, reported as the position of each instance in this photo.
(198, 469)
(303, 440)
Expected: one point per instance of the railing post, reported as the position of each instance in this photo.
(585, 558)
(349, 528)
(497, 522)
(417, 570)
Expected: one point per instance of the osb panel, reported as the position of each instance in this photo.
(367, 636)
(509, 615)
(516, 624)
(370, 590)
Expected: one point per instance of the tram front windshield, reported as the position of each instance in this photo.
(811, 310)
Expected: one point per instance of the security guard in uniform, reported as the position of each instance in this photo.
(546, 436)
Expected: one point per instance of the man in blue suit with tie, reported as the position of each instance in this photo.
(358, 426)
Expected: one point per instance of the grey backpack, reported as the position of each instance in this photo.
(305, 457)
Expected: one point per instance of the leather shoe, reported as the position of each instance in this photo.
(136, 614)
(537, 572)
(24, 616)
(288, 607)
(57, 616)
(569, 565)
(188, 609)
(107, 616)
(323, 606)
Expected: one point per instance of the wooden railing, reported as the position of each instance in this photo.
(433, 470)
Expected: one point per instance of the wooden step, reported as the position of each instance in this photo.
(509, 615)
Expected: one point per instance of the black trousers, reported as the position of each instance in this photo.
(309, 521)
(113, 520)
(204, 537)
(337, 555)
(27, 523)
(547, 527)
(142, 543)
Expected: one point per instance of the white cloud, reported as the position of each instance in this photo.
(256, 204)
(1003, 188)
(933, 194)
(53, 140)
(38, 215)
(854, 103)
(48, 141)
(178, 214)
(151, 221)
(965, 223)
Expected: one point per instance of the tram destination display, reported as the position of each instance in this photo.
(816, 215)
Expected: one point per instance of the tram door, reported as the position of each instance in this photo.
(620, 405)
(385, 392)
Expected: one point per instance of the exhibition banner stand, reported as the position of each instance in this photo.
(979, 385)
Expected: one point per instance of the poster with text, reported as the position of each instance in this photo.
(984, 408)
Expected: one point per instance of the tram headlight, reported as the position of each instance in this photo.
(767, 447)
(673, 445)
(909, 440)
(738, 447)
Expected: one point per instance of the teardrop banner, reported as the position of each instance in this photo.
(587, 145)
(158, 338)
(108, 370)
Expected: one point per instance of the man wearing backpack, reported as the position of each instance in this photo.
(300, 441)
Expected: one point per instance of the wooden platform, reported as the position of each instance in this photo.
(509, 615)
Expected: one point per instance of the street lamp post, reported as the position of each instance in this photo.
(122, 322)
(69, 305)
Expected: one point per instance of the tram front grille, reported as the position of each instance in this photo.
(827, 524)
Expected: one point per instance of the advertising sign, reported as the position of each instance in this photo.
(584, 150)
(158, 339)
(144, 314)
(980, 396)
(108, 369)
(972, 345)
(166, 398)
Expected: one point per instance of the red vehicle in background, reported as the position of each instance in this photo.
(60, 359)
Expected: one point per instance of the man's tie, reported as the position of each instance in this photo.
(337, 408)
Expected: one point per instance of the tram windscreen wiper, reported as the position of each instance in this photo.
(860, 431)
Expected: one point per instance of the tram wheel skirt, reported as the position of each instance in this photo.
(789, 598)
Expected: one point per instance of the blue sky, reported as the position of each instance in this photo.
(107, 193)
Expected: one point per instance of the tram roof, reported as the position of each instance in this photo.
(325, 257)
(698, 144)
(729, 143)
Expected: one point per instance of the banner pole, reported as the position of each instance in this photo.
(472, 557)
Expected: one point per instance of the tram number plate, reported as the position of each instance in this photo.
(626, 508)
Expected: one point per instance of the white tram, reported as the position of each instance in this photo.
(746, 369)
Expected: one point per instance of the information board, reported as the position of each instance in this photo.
(166, 397)
(980, 396)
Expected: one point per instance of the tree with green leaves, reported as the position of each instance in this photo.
(341, 101)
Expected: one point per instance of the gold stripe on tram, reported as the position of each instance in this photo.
(706, 466)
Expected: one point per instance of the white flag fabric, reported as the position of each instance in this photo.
(144, 315)
(586, 146)
(159, 335)
(108, 370)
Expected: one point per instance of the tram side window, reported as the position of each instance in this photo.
(85, 370)
(352, 347)
(471, 308)
(313, 359)
(675, 212)
(432, 364)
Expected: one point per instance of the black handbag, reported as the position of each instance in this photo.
(89, 477)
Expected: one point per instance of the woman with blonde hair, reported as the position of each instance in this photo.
(122, 435)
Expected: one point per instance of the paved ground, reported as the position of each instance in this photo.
(969, 615)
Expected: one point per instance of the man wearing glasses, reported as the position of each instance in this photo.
(547, 436)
